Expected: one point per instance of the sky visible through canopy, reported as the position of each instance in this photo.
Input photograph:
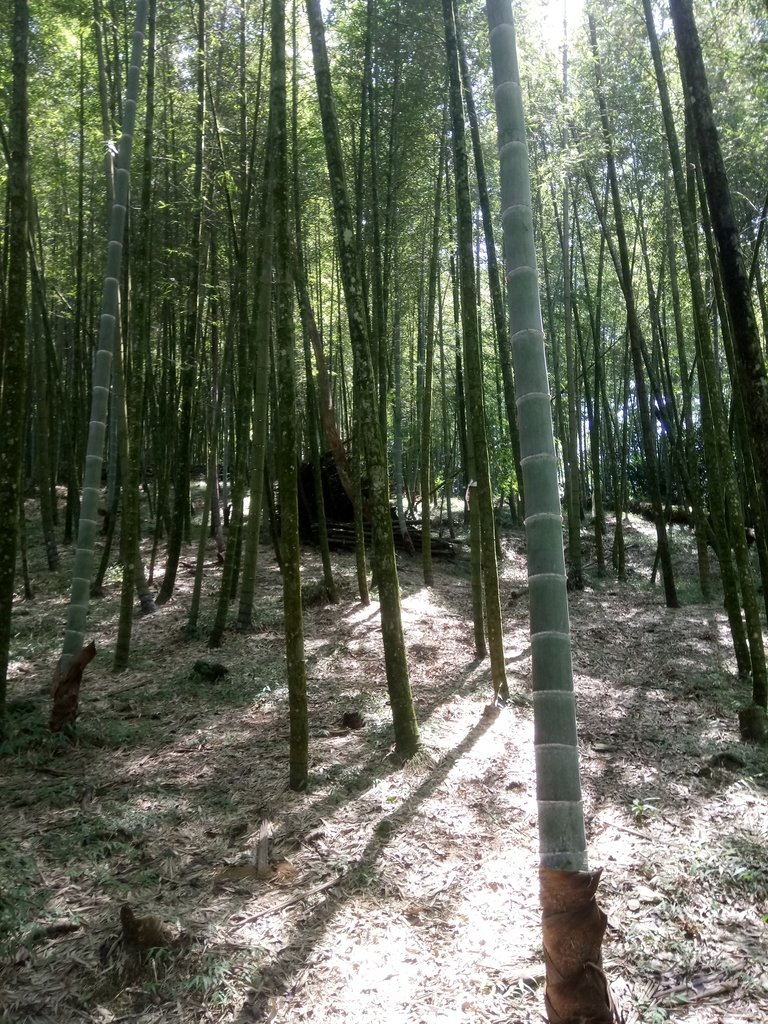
(551, 14)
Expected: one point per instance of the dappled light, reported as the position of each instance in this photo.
(385, 384)
(407, 892)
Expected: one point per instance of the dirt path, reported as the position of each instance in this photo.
(405, 896)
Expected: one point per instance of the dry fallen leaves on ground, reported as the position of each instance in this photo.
(384, 893)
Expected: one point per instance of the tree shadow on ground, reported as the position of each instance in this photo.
(277, 972)
(118, 806)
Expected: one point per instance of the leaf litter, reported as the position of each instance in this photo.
(406, 894)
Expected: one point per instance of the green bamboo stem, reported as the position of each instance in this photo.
(77, 611)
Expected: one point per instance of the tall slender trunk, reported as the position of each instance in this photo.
(594, 310)
(724, 495)
(398, 478)
(494, 276)
(254, 402)
(576, 986)
(211, 500)
(449, 474)
(637, 344)
(71, 369)
(425, 440)
(571, 442)
(473, 368)
(311, 337)
(43, 407)
(286, 414)
(752, 378)
(385, 566)
(254, 367)
(13, 322)
(133, 375)
(81, 577)
(188, 348)
(686, 384)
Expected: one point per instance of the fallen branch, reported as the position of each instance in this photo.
(623, 828)
(297, 898)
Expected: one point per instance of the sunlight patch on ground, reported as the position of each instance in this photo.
(430, 911)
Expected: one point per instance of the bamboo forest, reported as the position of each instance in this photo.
(383, 511)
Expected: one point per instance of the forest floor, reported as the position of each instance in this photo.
(401, 895)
